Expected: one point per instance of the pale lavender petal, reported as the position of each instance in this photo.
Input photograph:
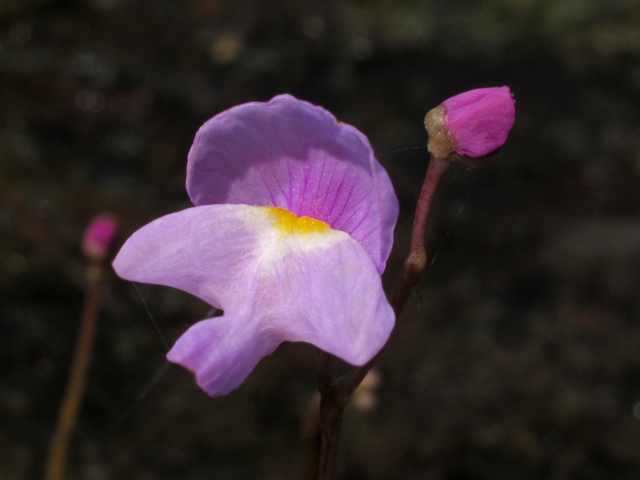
(275, 282)
(210, 252)
(329, 295)
(222, 351)
(290, 154)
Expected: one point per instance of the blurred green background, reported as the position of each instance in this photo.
(517, 357)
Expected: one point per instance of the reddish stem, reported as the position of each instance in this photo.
(437, 166)
(417, 259)
(336, 393)
(68, 413)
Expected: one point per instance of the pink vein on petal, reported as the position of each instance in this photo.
(277, 182)
(266, 185)
(335, 200)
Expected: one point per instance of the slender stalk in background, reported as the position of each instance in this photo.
(74, 393)
(97, 240)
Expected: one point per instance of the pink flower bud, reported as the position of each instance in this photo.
(474, 123)
(98, 237)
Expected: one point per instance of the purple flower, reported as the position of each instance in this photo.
(474, 123)
(291, 229)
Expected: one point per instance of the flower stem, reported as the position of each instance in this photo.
(335, 393)
(68, 413)
(332, 403)
(417, 259)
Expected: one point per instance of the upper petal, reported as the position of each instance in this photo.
(290, 154)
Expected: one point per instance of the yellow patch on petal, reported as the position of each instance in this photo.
(287, 223)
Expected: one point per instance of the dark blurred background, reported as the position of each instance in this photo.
(517, 357)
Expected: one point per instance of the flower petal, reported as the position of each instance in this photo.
(322, 288)
(222, 352)
(277, 277)
(210, 252)
(290, 154)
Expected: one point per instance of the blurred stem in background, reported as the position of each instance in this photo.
(96, 242)
(336, 392)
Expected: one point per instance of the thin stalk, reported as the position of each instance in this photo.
(414, 264)
(332, 403)
(417, 260)
(74, 394)
(335, 393)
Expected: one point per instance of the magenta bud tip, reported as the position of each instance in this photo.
(99, 236)
(473, 123)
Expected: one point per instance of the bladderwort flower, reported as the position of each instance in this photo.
(291, 229)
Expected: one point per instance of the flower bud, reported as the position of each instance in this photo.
(474, 123)
(98, 237)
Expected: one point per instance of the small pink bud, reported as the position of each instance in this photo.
(98, 237)
(474, 123)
